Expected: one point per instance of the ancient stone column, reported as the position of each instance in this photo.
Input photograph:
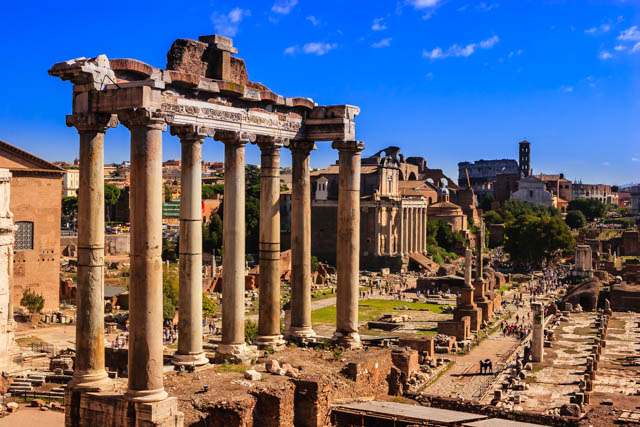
(145, 290)
(269, 246)
(401, 233)
(89, 370)
(390, 218)
(233, 240)
(422, 230)
(424, 233)
(190, 351)
(467, 267)
(414, 230)
(537, 340)
(348, 245)
(300, 241)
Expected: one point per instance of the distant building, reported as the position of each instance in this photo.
(561, 189)
(70, 183)
(600, 192)
(36, 186)
(534, 191)
(482, 173)
(392, 225)
(524, 164)
(635, 200)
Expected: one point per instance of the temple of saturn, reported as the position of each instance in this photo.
(203, 92)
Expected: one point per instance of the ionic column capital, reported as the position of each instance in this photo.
(354, 146)
(191, 133)
(92, 122)
(304, 146)
(234, 137)
(270, 142)
(143, 117)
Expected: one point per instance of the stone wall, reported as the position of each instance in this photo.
(37, 199)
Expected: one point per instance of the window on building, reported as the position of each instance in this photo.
(24, 236)
(530, 193)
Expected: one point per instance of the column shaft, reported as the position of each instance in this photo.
(89, 370)
(190, 351)
(348, 245)
(401, 231)
(269, 299)
(145, 381)
(300, 241)
(233, 257)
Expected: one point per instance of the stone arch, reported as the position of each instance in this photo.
(412, 176)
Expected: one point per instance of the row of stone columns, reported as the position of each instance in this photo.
(413, 226)
(145, 380)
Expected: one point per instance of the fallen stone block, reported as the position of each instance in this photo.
(253, 375)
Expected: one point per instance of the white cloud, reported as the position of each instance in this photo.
(490, 42)
(314, 21)
(566, 89)
(229, 24)
(635, 48)
(382, 43)
(283, 7)
(460, 51)
(423, 4)
(318, 48)
(486, 7)
(605, 55)
(619, 48)
(630, 33)
(429, 75)
(462, 8)
(635, 159)
(602, 28)
(378, 24)
(515, 53)
(291, 50)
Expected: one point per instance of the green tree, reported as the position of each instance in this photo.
(532, 240)
(485, 201)
(212, 234)
(492, 217)
(167, 194)
(575, 219)
(70, 209)
(111, 196)
(170, 283)
(208, 306)
(591, 208)
(440, 234)
(32, 301)
(210, 190)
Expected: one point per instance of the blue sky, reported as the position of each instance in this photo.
(446, 80)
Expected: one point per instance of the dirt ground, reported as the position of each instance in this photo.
(27, 416)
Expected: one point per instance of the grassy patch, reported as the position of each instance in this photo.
(530, 379)
(400, 399)
(230, 367)
(536, 367)
(372, 309)
(504, 288)
(323, 294)
(424, 331)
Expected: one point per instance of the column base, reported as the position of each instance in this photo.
(349, 340)
(97, 380)
(304, 334)
(146, 396)
(234, 353)
(266, 341)
(197, 359)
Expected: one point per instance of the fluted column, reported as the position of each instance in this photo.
(145, 368)
(424, 231)
(401, 232)
(89, 372)
(389, 244)
(414, 230)
(300, 327)
(348, 245)
(269, 298)
(233, 346)
(190, 351)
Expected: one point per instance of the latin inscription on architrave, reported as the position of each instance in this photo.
(237, 117)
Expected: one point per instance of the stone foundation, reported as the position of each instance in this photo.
(93, 409)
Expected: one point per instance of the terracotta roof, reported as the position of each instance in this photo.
(335, 170)
(41, 165)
